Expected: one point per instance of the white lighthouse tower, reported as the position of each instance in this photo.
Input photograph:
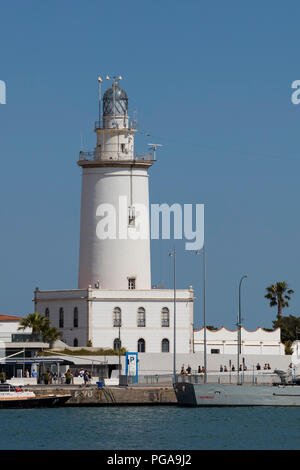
(114, 304)
(114, 227)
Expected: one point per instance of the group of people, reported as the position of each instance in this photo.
(266, 366)
(186, 371)
(244, 367)
(84, 374)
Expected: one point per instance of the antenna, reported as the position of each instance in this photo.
(154, 148)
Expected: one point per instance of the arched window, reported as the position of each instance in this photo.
(117, 344)
(141, 317)
(117, 319)
(61, 317)
(75, 342)
(165, 316)
(75, 318)
(165, 345)
(47, 313)
(141, 345)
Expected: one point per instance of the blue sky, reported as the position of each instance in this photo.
(211, 81)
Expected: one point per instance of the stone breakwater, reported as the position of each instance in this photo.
(90, 396)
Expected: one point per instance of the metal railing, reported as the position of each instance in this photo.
(97, 155)
(26, 338)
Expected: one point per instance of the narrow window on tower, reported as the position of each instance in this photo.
(131, 216)
(123, 148)
(131, 283)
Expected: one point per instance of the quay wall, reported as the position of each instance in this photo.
(90, 396)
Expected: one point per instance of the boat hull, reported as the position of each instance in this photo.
(37, 402)
(189, 394)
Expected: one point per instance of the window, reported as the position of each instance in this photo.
(131, 216)
(165, 345)
(75, 342)
(117, 344)
(141, 317)
(165, 316)
(117, 320)
(131, 283)
(215, 351)
(122, 148)
(141, 345)
(61, 317)
(47, 313)
(75, 318)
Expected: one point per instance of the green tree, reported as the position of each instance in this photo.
(35, 321)
(279, 295)
(50, 334)
(40, 325)
(289, 327)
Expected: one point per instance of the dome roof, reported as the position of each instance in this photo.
(120, 94)
(115, 101)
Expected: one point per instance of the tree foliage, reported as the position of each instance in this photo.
(289, 326)
(40, 325)
(279, 295)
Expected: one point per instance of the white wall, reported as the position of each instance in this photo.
(112, 261)
(95, 309)
(257, 341)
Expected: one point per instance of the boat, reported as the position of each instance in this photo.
(286, 393)
(15, 397)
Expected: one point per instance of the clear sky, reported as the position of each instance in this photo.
(211, 81)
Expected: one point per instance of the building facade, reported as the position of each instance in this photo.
(224, 341)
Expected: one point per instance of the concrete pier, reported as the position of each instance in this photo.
(111, 396)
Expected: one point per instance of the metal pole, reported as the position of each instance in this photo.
(99, 104)
(174, 315)
(119, 351)
(204, 315)
(239, 325)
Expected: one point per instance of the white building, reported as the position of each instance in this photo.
(114, 298)
(9, 325)
(224, 341)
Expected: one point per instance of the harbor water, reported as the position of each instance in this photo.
(151, 428)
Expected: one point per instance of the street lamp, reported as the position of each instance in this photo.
(173, 253)
(204, 311)
(239, 324)
(99, 85)
(119, 350)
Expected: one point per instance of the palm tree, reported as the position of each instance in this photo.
(40, 325)
(51, 334)
(35, 321)
(279, 294)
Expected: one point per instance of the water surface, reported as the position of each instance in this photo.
(151, 428)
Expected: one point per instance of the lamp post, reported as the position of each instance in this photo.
(204, 311)
(99, 85)
(239, 324)
(173, 253)
(119, 350)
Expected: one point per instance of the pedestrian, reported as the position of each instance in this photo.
(85, 377)
(182, 370)
(199, 369)
(188, 369)
(221, 368)
(225, 369)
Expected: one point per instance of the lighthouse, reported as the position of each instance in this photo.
(114, 224)
(114, 305)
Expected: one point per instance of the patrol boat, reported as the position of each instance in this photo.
(15, 397)
(287, 393)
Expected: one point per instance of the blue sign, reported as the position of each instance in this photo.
(132, 365)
